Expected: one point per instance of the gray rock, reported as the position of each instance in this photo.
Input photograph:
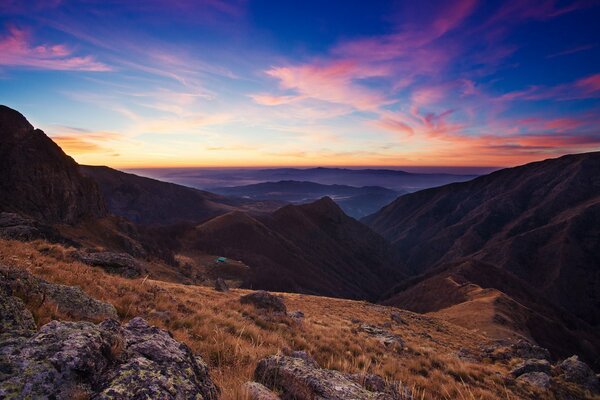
(221, 285)
(576, 371)
(118, 263)
(397, 318)
(303, 355)
(108, 361)
(385, 337)
(256, 391)
(528, 366)
(69, 299)
(296, 315)
(264, 300)
(299, 380)
(14, 317)
(538, 379)
(520, 349)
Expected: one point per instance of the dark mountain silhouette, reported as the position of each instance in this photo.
(38, 179)
(311, 248)
(148, 201)
(357, 202)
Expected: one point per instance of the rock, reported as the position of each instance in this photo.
(119, 263)
(520, 349)
(528, 366)
(371, 382)
(14, 317)
(300, 380)
(303, 355)
(17, 227)
(576, 371)
(107, 361)
(221, 285)
(296, 315)
(467, 355)
(264, 300)
(538, 379)
(69, 299)
(385, 337)
(256, 391)
(397, 318)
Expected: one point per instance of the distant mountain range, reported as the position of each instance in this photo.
(357, 202)
(208, 178)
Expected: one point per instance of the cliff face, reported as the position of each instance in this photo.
(38, 179)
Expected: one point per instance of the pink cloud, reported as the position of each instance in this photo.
(17, 51)
(266, 99)
(583, 88)
(332, 82)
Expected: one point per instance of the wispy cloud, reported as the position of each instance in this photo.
(18, 50)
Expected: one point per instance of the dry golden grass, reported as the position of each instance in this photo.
(232, 337)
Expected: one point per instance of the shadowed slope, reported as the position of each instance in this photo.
(313, 248)
(540, 221)
(38, 179)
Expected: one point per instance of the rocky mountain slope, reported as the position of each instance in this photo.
(38, 179)
(540, 222)
(312, 248)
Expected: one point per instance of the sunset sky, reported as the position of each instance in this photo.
(161, 83)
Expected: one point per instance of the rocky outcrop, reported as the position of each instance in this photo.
(116, 263)
(540, 380)
(105, 361)
(17, 227)
(298, 379)
(14, 317)
(38, 179)
(69, 299)
(531, 366)
(385, 337)
(575, 371)
(256, 391)
(221, 285)
(265, 301)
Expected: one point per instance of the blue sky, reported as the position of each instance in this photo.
(268, 83)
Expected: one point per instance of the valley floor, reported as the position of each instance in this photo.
(437, 360)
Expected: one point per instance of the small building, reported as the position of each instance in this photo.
(221, 259)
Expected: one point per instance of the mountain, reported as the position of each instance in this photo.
(311, 248)
(208, 178)
(357, 202)
(38, 179)
(540, 221)
(481, 296)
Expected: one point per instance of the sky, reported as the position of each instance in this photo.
(215, 83)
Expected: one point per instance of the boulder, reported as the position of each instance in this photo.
(299, 380)
(528, 366)
(118, 263)
(385, 337)
(303, 355)
(69, 299)
(296, 315)
(264, 300)
(14, 317)
(104, 361)
(576, 371)
(221, 285)
(540, 380)
(256, 391)
(397, 318)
